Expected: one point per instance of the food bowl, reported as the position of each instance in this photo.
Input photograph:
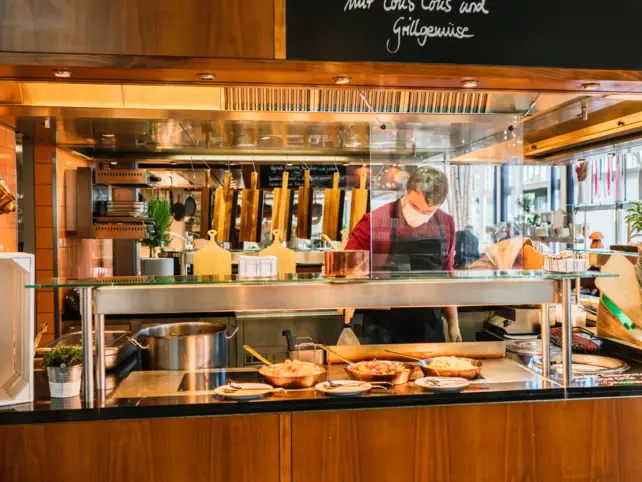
(284, 381)
(469, 374)
(398, 378)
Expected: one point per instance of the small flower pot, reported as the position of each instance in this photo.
(64, 381)
(157, 266)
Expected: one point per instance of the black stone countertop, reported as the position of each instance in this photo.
(120, 405)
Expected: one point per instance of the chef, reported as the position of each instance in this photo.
(410, 234)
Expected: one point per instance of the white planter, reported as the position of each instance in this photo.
(64, 382)
(157, 266)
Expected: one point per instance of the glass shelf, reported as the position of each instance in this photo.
(313, 277)
(606, 251)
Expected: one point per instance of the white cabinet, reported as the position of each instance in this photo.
(16, 327)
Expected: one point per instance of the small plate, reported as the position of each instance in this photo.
(443, 384)
(348, 388)
(251, 391)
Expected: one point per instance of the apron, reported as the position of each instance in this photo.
(408, 325)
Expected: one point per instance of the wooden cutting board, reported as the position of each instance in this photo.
(304, 214)
(282, 208)
(477, 350)
(286, 261)
(212, 260)
(251, 212)
(360, 200)
(333, 210)
(225, 208)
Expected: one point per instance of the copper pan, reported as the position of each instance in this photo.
(347, 264)
(304, 381)
(469, 374)
(398, 378)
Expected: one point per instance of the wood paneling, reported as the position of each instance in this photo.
(279, 29)
(141, 69)
(223, 449)
(216, 28)
(45, 253)
(587, 440)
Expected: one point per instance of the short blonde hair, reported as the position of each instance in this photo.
(431, 182)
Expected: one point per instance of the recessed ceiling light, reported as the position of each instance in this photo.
(342, 80)
(62, 73)
(469, 83)
(113, 163)
(591, 86)
(108, 136)
(206, 76)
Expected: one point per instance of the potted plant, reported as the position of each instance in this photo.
(64, 370)
(160, 212)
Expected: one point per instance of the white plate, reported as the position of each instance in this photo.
(348, 388)
(256, 391)
(443, 384)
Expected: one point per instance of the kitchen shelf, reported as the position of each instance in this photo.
(119, 231)
(581, 208)
(125, 177)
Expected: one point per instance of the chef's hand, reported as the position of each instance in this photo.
(453, 331)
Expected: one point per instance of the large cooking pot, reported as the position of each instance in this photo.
(183, 346)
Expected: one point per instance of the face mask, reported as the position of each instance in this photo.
(413, 217)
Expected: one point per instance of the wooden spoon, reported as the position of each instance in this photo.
(328, 350)
(256, 354)
(404, 355)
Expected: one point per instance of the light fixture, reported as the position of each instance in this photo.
(591, 86)
(342, 80)
(108, 136)
(469, 83)
(206, 76)
(113, 163)
(62, 73)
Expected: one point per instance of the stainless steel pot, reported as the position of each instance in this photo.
(183, 346)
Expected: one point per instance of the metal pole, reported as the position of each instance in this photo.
(567, 329)
(546, 340)
(86, 312)
(100, 357)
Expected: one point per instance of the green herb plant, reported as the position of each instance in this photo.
(160, 212)
(634, 218)
(67, 355)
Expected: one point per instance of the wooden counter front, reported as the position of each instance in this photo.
(584, 440)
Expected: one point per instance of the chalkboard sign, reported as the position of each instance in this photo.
(320, 175)
(536, 33)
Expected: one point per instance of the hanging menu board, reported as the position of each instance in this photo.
(536, 33)
(320, 175)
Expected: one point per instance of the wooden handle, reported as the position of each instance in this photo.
(344, 360)
(328, 240)
(362, 178)
(254, 353)
(285, 180)
(306, 179)
(228, 180)
(404, 355)
(335, 180)
(254, 181)
(212, 234)
(276, 234)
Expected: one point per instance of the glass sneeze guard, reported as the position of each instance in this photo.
(462, 275)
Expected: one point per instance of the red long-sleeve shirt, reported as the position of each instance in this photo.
(378, 224)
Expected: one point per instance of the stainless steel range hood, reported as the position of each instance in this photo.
(581, 125)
